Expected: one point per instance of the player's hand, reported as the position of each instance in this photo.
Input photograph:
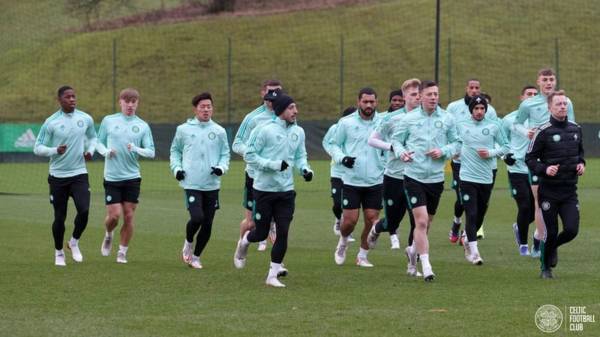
(284, 165)
(407, 156)
(112, 153)
(434, 153)
(216, 171)
(509, 159)
(483, 153)
(348, 161)
(180, 175)
(530, 133)
(307, 174)
(130, 147)
(87, 156)
(61, 149)
(580, 169)
(552, 170)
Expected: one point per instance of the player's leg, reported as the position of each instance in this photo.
(336, 196)
(59, 197)
(521, 192)
(540, 228)
(283, 212)
(131, 194)
(569, 215)
(194, 202)
(350, 205)
(210, 204)
(458, 206)
(469, 196)
(80, 191)
(113, 199)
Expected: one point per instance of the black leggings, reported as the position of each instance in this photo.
(78, 188)
(336, 195)
(520, 189)
(554, 202)
(202, 206)
(278, 206)
(475, 198)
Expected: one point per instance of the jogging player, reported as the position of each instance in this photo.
(274, 151)
(68, 137)
(199, 157)
(122, 138)
(556, 156)
(261, 115)
(425, 139)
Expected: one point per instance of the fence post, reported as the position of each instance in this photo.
(114, 75)
(229, 57)
(449, 69)
(341, 72)
(437, 41)
(557, 62)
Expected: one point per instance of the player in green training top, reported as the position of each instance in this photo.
(63, 138)
(199, 157)
(122, 138)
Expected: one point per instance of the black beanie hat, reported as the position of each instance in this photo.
(477, 100)
(396, 93)
(281, 103)
(272, 95)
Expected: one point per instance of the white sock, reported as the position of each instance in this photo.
(362, 253)
(394, 236)
(344, 239)
(457, 220)
(123, 249)
(59, 252)
(245, 239)
(73, 242)
(274, 269)
(195, 258)
(108, 234)
(473, 247)
(425, 261)
(411, 249)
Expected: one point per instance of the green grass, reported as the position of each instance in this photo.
(156, 295)
(386, 42)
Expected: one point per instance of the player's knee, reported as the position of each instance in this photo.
(197, 219)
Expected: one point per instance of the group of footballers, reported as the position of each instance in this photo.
(393, 160)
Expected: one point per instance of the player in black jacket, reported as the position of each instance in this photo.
(556, 155)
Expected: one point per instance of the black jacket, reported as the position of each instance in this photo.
(556, 142)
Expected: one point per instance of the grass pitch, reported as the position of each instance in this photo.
(155, 294)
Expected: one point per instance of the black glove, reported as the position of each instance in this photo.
(348, 161)
(308, 175)
(284, 165)
(180, 175)
(509, 159)
(216, 171)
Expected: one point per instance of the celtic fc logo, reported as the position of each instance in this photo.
(80, 123)
(212, 136)
(135, 129)
(485, 131)
(548, 318)
(438, 124)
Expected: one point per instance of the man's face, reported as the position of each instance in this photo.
(204, 110)
(558, 107)
(530, 92)
(367, 104)
(547, 84)
(396, 102)
(129, 107)
(290, 113)
(67, 100)
(473, 88)
(430, 98)
(412, 98)
(478, 112)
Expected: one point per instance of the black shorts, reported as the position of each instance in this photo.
(421, 194)
(520, 189)
(336, 189)
(206, 200)
(76, 187)
(248, 202)
(455, 175)
(116, 192)
(273, 205)
(370, 197)
(534, 180)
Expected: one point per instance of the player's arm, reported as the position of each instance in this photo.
(102, 139)
(399, 137)
(253, 152)
(327, 139)
(41, 147)
(452, 147)
(147, 145)
(92, 138)
(336, 142)
(242, 136)
(176, 156)
(534, 154)
(224, 155)
(502, 141)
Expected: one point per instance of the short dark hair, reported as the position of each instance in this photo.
(546, 72)
(129, 94)
(529, 86)
(473, 79)
(427, 84)
(366, 91)
(271, 83)
(487, 97)
(62, 90)
(200, 97)
(348, 111)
